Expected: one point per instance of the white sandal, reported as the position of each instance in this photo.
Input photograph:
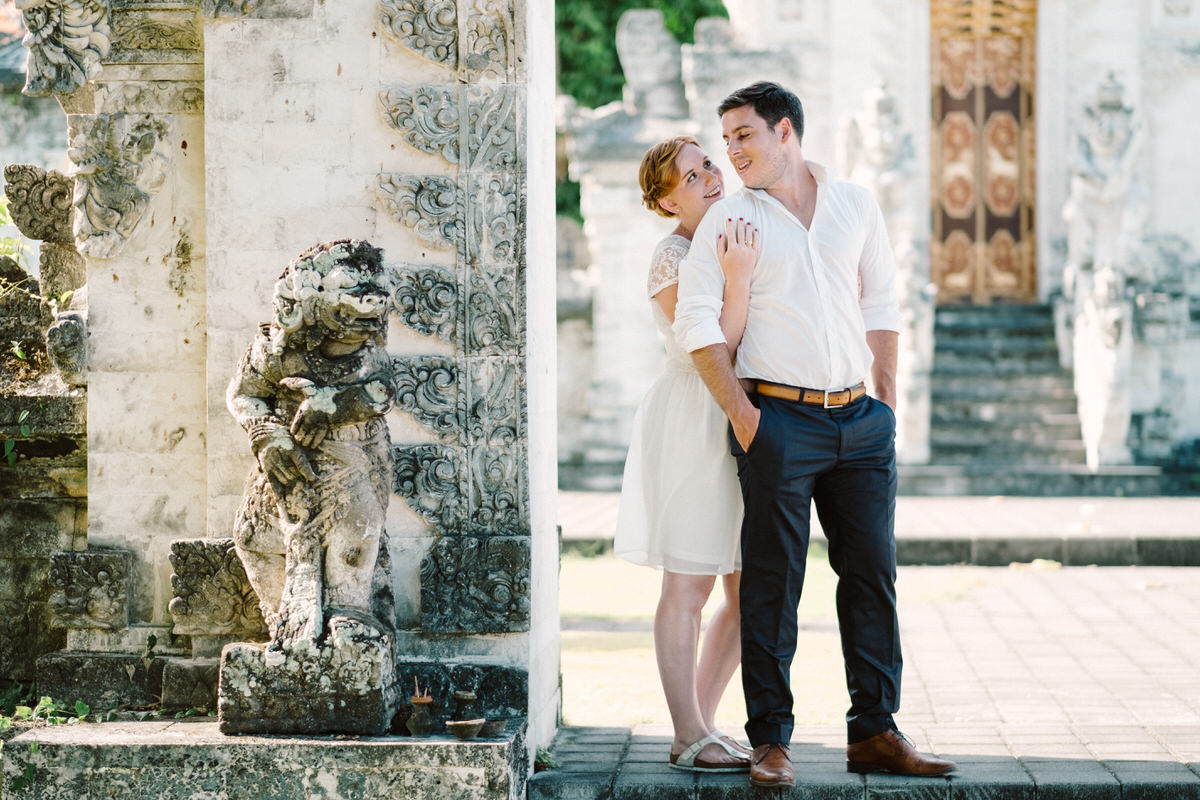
(688, 761)
(732, 745)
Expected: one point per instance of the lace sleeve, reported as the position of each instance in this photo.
(664, 265)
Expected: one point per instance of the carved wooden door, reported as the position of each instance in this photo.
(983, 69)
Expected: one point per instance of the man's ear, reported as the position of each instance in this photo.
(785, 129)
(668, 205)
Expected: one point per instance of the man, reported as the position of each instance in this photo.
(822, 315)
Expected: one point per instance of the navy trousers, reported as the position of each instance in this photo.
(843, 460)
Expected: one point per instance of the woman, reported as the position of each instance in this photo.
(681, 508)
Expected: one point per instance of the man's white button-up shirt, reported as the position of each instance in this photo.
(807, 319)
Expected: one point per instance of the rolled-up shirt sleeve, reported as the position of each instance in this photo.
(877, 268)
(701, 289)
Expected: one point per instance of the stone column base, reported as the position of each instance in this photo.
(343, 685)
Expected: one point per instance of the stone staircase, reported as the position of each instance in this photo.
(1003, 418)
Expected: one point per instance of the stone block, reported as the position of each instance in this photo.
(895, 787)
(90, 589)
(212, 593)
(935, 552)
(186, 760)
(343, 685)
(36, 527)
(1168, 552)
(100, 679)
(190, 683)
(476, 585)
(1002, 552)
(500, 691)
(28, 636)
(60, 269)
(1101, 552)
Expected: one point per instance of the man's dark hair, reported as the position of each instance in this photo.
(771, 101)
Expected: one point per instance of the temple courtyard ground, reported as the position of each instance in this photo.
(1040, 679)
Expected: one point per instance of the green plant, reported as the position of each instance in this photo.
(16, 350)
(10, 449)
(544, 760)
(148, 654)
(15, 247)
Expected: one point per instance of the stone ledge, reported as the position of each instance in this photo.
(184, 760)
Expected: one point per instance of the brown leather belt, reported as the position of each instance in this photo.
(812, 397)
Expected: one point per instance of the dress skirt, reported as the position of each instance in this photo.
(681, 504)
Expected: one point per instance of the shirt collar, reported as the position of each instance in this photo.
(820, 173)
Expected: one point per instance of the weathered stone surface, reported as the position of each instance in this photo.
(100, 679)
(477, 585)
(428, 388)
(90, 589)
(429, 478)
(28, 633)
(501, 692)
(190, 683)
(427, 301)
(256, 9)
(152, 36)
(60, 269)
(433, 119)
(343, 685)
(213, 596)
(66, 41)
(189, 759)
(66, 347)
(120, 163)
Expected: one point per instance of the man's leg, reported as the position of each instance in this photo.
(777, 476)
(856, 503)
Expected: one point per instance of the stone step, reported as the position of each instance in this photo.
(982, 478)
(991, 330)
(1050, 411)
(961, 434)
(1004, 316)
(949, 386)
(1011, 364)
(995, 346)
(1058, 453)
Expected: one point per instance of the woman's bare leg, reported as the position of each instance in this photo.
(676, 636)
(722, 651)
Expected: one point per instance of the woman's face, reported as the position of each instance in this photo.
(700, 185)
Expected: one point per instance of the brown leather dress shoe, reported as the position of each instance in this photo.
(891, 752)
(771, 765)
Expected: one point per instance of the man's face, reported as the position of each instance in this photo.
(755, 150)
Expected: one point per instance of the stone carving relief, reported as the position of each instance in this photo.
(430, 119)
(311, 393)
(476, 584)
(66, 41)
(120, 162)
(231, 9)
(429, 478)
(1105, 214)
(151, 97)
(496, 489)
(493, 414)
(489, 34)
(427, 302)
(427, 27)
(137, 30)
(212, 593)
(651, 63)
(427, 387)
(40, 202)
(429, 205)
(494, 207)
(492, 322)
(90, 588)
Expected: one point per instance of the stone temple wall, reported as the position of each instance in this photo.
(216, 140)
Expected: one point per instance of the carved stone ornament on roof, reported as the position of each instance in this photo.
(427, 27)
(430, 205)
(476, 585)
(212, 593)
(120, 163)
(40, 202)
(428, 477)
(427, 302)
(90, 588)
(66, 41)
(427, 387)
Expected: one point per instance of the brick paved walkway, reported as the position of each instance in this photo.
(1040, 683)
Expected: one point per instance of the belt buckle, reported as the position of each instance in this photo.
(825, 401)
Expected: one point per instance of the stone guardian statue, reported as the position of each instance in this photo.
(311, 393)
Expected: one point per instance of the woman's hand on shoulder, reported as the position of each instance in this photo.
(737, 250)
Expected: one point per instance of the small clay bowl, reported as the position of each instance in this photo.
(465, 728)
(493, 728)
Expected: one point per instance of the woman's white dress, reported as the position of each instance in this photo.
(681, 506)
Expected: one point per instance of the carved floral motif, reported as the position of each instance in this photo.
(428, 477)
(90, 588)
(155, 97)
(427, 27)
(212, 593)
(229, 9)
(427, 388)
(40, 202)
(120, 163)
(489, 32)
(495, 206)
(491, 311)
(492, 122)
(431, 119)
(476, 585)
(495, 487)
(427, 117)
(66, 41)
(139, 32)
(493, 410)
(427, 302)
(429, 205)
